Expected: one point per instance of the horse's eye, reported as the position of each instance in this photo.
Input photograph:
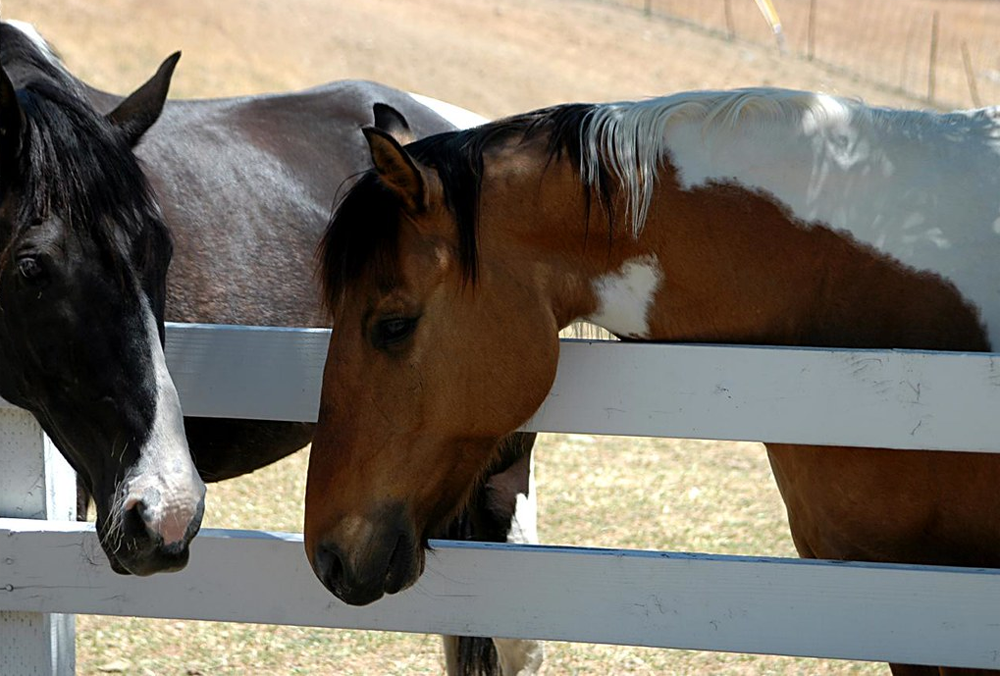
(392, 331)
(30, 268)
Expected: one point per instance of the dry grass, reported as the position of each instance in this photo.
(497, 58)
(884, 42)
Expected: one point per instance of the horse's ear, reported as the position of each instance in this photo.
(136, 114)
(396, 169)
(391, 121)
(11, 121)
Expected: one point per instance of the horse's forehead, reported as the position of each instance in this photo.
(386, 286)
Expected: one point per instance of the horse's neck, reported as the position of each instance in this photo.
(725, 260)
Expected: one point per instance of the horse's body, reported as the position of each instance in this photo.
(82, 284)
(243, 185)
(246, 190)
(757, 216)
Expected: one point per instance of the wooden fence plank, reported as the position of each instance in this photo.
(263, 373)
(896, 399)
(891, 399)
(783, 606)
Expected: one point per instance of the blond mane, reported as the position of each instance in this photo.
(629, 140)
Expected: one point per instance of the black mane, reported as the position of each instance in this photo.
(364, 230)
(73, 163)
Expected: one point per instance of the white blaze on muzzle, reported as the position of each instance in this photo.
(164, 483)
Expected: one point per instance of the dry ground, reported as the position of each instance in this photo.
(887, 42)
(496, 58)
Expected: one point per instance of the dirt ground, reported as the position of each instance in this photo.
(886, 42)
(495, 58)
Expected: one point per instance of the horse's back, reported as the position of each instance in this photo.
(247, 185)
(922, 188)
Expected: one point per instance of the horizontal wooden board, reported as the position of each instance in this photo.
(262, 373)
(878, 398)
(781, 606)
(900, 399)
(895, 399)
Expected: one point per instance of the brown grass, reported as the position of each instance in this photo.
(884, 42)
(496, 58)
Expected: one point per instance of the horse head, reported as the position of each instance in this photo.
(426, 335)
(82, 291)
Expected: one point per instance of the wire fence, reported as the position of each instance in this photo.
(946, 52)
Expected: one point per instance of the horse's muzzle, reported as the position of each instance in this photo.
(362, 575)
(136, 546)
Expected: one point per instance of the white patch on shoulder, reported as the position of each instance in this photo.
(625, 297)
(36, 38)
(458, 116)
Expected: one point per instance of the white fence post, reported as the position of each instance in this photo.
(35, 483)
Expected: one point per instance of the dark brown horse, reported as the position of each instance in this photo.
(754, 216)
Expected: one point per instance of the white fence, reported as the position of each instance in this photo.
(909, 614)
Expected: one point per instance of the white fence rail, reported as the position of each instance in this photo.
(897, 399)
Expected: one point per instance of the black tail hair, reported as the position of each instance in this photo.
(477, 656)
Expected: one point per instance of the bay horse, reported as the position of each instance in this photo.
(752, 216)
(83, 262)
(246, 185)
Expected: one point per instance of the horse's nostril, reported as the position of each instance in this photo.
(131, 504)
(136, 510)
(329, 565)
(133, 522)
(141, 510)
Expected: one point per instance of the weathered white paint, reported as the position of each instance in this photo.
(829, 609)
(262, 373)
(624, 297)
(458, 116)
(888, 399)
(165, 479)
(35, 483)
(881, 398)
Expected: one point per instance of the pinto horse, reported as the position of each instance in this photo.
(753, 216)
(246, 185)
(82, 289)
(249, 180)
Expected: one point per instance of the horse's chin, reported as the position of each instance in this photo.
(147, 561)
(405, 568)
(389, 569)
(132, 551)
